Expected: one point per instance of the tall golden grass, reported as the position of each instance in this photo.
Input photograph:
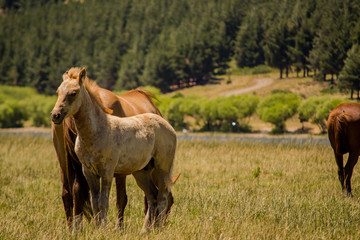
(227, 190)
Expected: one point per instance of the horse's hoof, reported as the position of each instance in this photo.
(144, 230)
(349, 194)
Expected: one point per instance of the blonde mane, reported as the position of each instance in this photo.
(91, 87)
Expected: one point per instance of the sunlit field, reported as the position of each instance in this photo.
(227, 190)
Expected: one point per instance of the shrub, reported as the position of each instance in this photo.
(12, 114)
(277, 108)
(175, 114)
(261, 69)
(323, 111)
(175, 109)
(307, 108)
(38, 108)
(207, 113)
(317, 110)
(233, 110)
(16, 93)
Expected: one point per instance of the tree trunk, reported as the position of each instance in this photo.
(281, 72)
(287, 72)
(304, 72)
(324, 77)
(351, 93)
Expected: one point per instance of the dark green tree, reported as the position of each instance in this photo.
(278, 44)
(333, 39)
(350, 74)
(248, 46)
(304, 34)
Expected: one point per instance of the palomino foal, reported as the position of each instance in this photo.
(142, 145)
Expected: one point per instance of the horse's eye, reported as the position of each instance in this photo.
(72, 94)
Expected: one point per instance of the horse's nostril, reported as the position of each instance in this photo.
(55, 116)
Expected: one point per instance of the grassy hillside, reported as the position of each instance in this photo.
(305, 87)
(227, 190)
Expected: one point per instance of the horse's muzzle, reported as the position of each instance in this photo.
(57, 117)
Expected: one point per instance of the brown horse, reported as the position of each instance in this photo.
(75, 193)
(142, 145)
(344, 131)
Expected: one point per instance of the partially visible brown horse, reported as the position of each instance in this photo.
(75, 193)
(344, 134)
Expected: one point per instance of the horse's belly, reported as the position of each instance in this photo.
(129, 164)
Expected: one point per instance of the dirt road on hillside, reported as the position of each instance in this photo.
(259, 83)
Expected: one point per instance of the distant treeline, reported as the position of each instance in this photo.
(170, 43)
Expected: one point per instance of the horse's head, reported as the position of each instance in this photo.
(69, 92)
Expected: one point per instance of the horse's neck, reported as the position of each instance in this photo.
(90, 118)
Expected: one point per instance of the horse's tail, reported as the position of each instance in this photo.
(337, 125)
(150, 97)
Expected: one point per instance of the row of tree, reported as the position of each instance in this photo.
(303, 35)
(170, 43)
(124, 44)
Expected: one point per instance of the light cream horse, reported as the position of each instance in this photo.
(142, 145)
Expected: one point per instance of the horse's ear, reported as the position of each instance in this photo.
(82, 76)
(65, 75)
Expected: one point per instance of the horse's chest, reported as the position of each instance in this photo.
(94, 158)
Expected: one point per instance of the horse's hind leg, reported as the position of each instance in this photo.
(121, 197)
(352, 160)
(341, 173)
(144, 181)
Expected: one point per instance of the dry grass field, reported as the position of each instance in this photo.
(227, 190)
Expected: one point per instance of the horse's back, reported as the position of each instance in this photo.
(138, 101)
(111, 101)
(344, 128)
(163, 132)
(129, 103)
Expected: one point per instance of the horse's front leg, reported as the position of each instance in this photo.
(94, 184)
(162, 182)
(106, 180)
